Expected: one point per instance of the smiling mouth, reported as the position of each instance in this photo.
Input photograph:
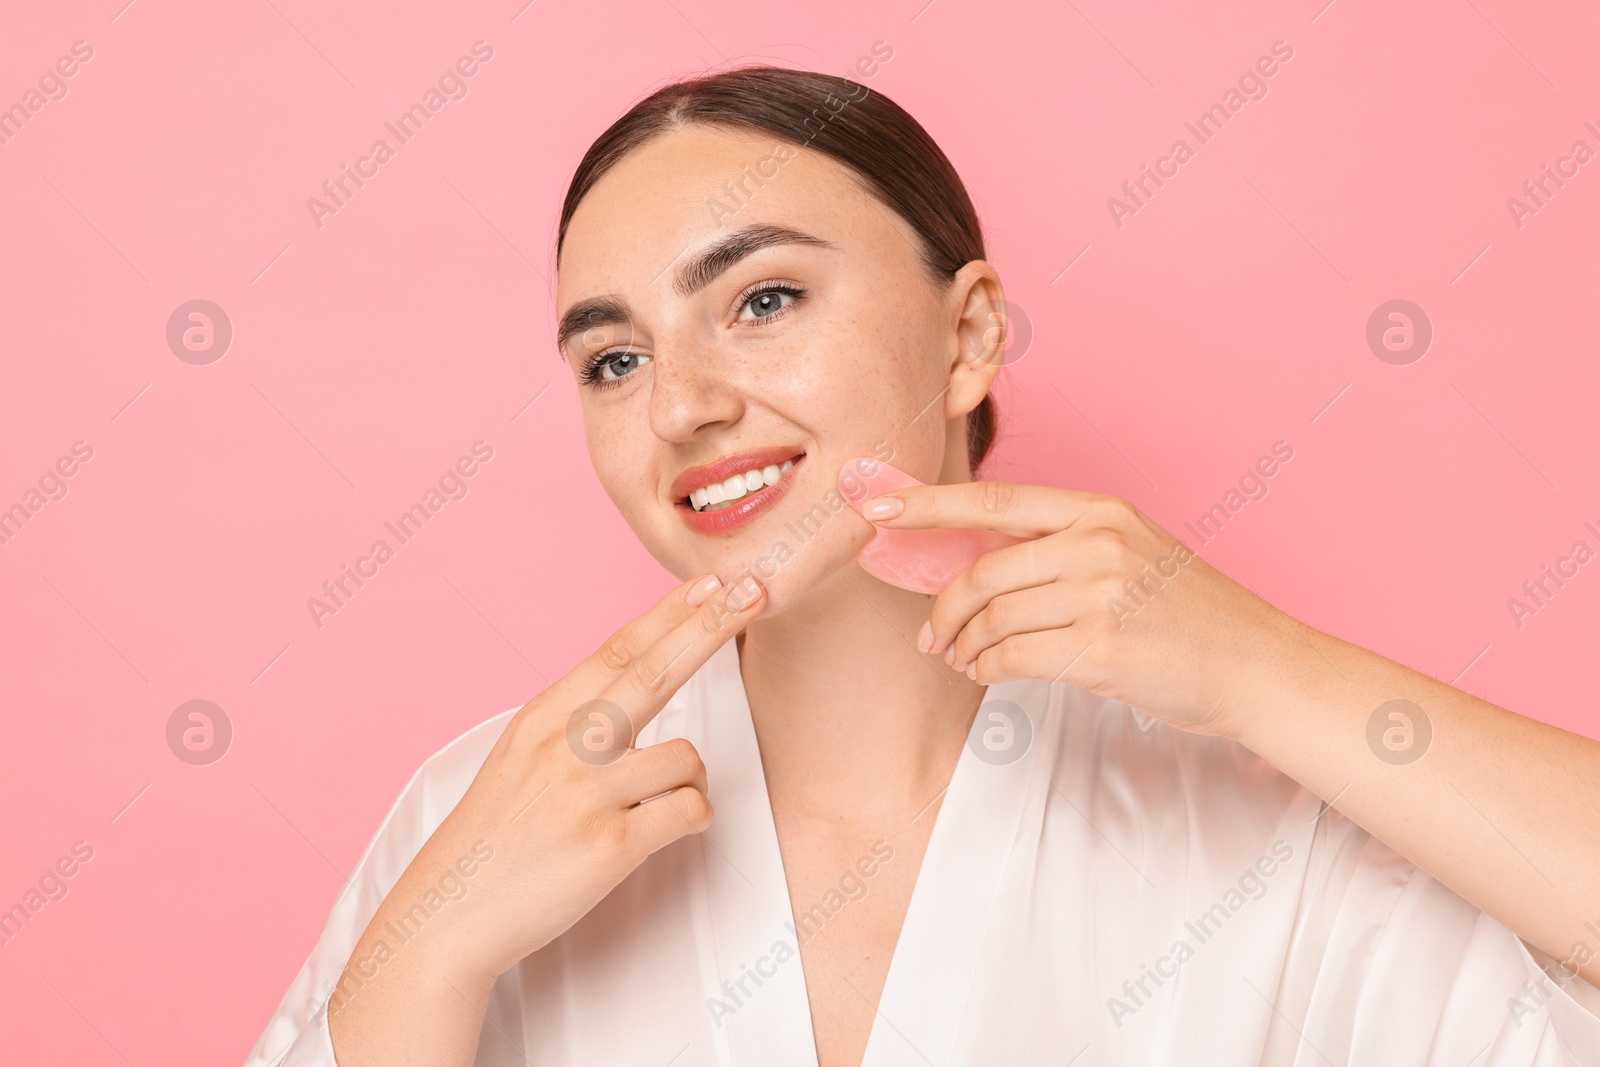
(718, 496)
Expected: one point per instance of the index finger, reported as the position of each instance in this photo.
(1026, 511)
(645, 687)
(625, 646)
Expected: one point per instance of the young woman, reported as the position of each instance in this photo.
(1093, 803)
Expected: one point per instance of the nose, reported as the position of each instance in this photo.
(688, 395)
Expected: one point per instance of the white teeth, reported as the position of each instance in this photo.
(738, 486)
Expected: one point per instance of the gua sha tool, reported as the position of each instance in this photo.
(923, 561)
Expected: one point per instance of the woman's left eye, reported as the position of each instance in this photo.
(768, 300)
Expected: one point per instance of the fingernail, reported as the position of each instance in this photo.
(744, 594)
(925, 638)
(950, 655)
(884, 507)
(701, 591)
(972, 672)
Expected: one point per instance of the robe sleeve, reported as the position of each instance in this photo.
(1410, 972)
(297, 1033)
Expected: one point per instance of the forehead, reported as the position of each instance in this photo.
(686, 186)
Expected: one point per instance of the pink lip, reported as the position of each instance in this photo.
(749, 506)
(727, 467)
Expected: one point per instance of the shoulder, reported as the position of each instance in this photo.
(1221, 807)
(441, 780)
(433, 790)
(1142, 771)
(452, 767)
(1106, 736)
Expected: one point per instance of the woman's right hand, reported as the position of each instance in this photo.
(562, 810)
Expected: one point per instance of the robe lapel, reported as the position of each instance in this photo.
(991, 799)
(756, 996)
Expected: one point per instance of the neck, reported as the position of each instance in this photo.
(854, 724)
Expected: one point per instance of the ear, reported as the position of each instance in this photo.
(978, 317)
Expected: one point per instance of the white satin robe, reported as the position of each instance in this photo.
(1121, 893)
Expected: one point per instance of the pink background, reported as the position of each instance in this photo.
(1228, 313)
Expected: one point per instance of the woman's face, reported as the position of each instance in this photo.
(731, 304)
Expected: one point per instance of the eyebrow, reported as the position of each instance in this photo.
(701, 270)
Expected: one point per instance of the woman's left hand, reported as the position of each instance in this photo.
(1099, 595)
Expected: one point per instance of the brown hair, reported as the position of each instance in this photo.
(866, 131)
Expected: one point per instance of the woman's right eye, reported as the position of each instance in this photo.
(608, 368)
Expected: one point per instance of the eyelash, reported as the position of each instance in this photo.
(771, 285)
(590, 375)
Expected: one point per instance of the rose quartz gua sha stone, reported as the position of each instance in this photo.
(923, 561)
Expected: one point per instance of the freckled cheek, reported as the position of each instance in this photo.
(904, 365)
(900, 398)
(845, 376)
(881, 396)
(624, 463)
(659, 530)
